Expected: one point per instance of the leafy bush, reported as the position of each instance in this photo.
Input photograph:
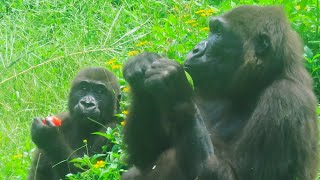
(103, 166)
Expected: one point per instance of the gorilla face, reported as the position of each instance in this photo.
(231, 59)
(217, 57)
(91, 99)
(87, 104)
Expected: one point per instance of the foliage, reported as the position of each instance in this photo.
(103, 166)
(43, 43)
(313, 65)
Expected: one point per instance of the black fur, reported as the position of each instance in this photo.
(94, 96)
(251, 115)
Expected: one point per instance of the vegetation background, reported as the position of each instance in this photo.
(43, 43)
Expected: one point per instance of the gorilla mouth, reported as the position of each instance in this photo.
(201, 62)
(198, 65)
(91, 112)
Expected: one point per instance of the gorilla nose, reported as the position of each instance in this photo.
(87, 104)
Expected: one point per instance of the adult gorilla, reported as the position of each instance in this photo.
(93, 101)
(251, 115)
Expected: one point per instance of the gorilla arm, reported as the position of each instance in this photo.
(53, 146)
(142, 133)
(163, 119)
(282, 123)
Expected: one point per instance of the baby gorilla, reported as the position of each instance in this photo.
(93, 101)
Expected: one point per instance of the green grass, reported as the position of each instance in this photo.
(43, 43)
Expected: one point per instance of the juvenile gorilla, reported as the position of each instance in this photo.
(251, 115)
(93, 101)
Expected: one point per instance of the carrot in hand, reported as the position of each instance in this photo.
(56, 121)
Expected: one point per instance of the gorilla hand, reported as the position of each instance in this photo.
(167, 81)
(44, 131)
(135, 68)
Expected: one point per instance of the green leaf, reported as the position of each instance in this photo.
(308, 52)
(315, 57)
(108, 136)
(189, 78)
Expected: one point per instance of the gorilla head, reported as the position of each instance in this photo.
(243, 48)
(94, 95)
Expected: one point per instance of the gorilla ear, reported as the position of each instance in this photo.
(262, 44)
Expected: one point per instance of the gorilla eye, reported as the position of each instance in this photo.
(101, 89)
(83, 86)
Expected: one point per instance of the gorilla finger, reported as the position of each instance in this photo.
(155, 81)
(133, 71)
(156, 85)
(171, 62)
(37, 118)
(172, 68)
(131, 75)
(163, 63)
(37, 121)
(152, 72)
(48, 122)
(158, 75)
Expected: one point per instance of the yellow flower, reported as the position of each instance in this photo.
(200, 11)
(99, 164)
(204, 29)
(298, 7)
(123, 123)
(17, 156)
(132, 53)
(126, 89)
(125, 112)
(185, 15)
(141, 43)
(175, 8)
(206, 12)
(111, 61)
(212, 10)
(191, 21)
(115, 66)
(194, 24)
